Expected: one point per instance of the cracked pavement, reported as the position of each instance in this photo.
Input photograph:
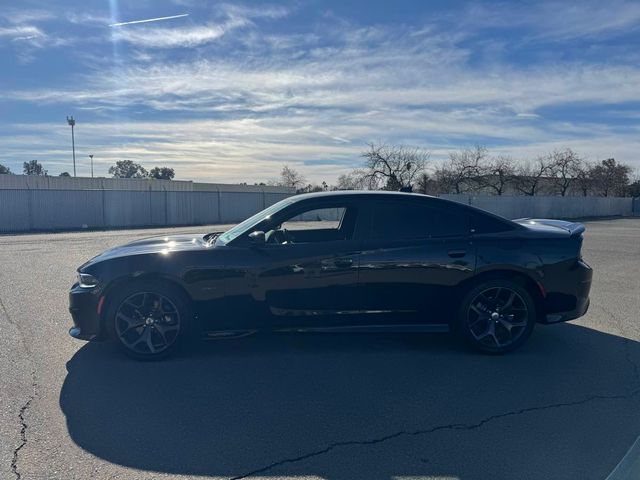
(567, 405)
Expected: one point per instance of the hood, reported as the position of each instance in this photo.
(162, 245)
(552, 227)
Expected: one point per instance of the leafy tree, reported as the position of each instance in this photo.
(33, 167)
(162, 173)
(610, 178)
(4, 170)
(127, 169)
(64, 174)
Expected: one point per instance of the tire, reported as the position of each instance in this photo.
(496, 316)
(149, 319)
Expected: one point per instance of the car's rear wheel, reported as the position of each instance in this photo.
(149, 320)
(496, 316)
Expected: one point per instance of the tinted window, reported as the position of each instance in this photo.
(315, 219)
(486, 224)
(400, 220)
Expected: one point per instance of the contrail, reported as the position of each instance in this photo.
(149, 20)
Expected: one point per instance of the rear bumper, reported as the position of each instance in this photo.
(573, 301)
(83, 306)
(569, 315)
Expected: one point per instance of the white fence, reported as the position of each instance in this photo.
(548, 207)
(31, 205)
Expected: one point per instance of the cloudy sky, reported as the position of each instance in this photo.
(231, 91)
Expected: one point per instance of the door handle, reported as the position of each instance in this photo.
(457, 253)
(343, 262)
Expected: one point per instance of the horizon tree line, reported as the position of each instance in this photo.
(472, 170)
(121, 169)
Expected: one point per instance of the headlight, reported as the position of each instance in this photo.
(87, 281)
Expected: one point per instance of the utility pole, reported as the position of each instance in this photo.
(72, 122)
(91, 157)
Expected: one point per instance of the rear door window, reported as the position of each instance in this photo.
(406, 220)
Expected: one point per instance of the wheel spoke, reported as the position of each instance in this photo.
(508, 324)
(489, 332)
(164, 329)
(507, 306)
(146, 338)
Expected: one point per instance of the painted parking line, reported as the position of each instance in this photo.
(629, 466)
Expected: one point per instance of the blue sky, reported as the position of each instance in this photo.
(231, 91)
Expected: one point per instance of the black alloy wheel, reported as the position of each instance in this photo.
(149, 320)
(497, 316)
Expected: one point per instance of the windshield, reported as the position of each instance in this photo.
(251, 222)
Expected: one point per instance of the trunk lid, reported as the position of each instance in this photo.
(546, 225)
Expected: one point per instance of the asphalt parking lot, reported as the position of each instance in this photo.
(333, 407)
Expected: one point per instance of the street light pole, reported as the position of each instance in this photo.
(72, 122)
(91, 157)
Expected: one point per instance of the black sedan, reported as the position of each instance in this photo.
(338, 262)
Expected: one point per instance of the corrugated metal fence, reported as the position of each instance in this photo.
(68, 209)
(549, 207)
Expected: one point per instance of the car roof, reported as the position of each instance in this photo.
(373, 193)
(382, 194)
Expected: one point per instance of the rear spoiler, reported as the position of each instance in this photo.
(574, 229)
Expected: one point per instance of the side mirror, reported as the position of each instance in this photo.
(257, 238)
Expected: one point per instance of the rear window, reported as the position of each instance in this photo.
(486, 224)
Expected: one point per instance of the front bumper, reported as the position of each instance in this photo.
(83, 306)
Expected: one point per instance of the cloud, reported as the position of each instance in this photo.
(231, 17)
(21, 32)
(15, 16)
(556, 20)
(251, 101)
(171, 37)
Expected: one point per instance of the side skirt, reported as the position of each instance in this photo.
(410, 328)
(432, 328)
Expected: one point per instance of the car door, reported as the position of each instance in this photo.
(415, 254)
(312, 278)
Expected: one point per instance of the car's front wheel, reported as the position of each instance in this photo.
(149, 320)
(496, 316)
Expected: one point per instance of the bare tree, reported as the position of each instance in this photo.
(584, 177)
(426, 184)
(352, 181)
(610, 178)
(530, 175)
(566, 166)
(633, 190)
(497, 174)
(291, 178)
(462, 171)
(393, 167)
